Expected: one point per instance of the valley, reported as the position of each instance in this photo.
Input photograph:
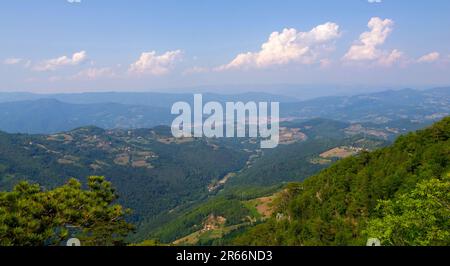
(193, 191)
(241, 132)
(160, 177)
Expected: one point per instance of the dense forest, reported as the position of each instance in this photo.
(32, 216)
(263, 176)
(152, 172)
(399, 194)
(225, 192)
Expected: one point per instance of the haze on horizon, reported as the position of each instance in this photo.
(301, 48)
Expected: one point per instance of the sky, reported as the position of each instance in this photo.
(118, 45)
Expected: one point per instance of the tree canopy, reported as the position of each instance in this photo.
(399, 194)
(418, 218)
(32, 216)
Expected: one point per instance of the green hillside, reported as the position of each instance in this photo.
(192, 191)
(152, 171)
(405, 186)
(239, 199)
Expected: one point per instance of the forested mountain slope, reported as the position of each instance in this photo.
(337, 206)
(153, 172)
(244, 198)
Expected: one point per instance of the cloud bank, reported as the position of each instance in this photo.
(287, 47)
(56, 63)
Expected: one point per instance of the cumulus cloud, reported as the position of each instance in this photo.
(374, 1)
(288, 46)
(12, 61)
(391, 58)
(367, 47)
(152, 64)
(56, 63)
(429, 58)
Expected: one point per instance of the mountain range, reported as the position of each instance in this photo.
(228, 191)
(52, 113)
(160, 177)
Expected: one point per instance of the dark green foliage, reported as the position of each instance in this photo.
(289, 163)
(228, 203)
(418, 218)
(233, 210)
(284, 164)
(31, 216)
(178, 174)
(263, 177)
(333, 207)
(170, 197)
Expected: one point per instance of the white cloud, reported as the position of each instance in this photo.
(95, 73)
(74, 1)
(429, 58)
(153, 64)
(367, 47)
(288, 46)
(12, 61)
(391, 58)
(56, 63)
(374, 1)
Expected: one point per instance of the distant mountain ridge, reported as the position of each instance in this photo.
(379, 107)
(50, 113)
(51, 116)
(155, 99)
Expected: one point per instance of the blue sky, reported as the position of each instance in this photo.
(98, 45)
